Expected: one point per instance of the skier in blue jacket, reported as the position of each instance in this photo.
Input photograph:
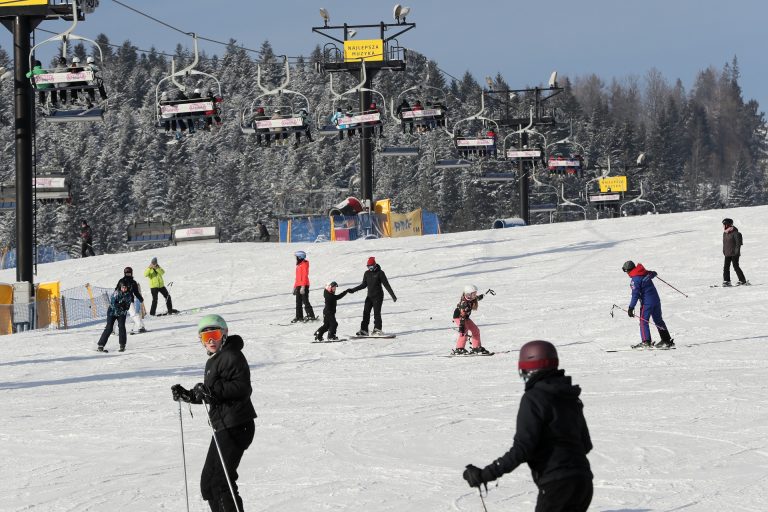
(650, 305)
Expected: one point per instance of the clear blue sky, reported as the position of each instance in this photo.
(524, 41)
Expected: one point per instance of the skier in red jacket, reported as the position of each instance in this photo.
(301, 289)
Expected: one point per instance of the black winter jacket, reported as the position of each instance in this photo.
(732, 242)
(374, 280)
(330, 301)
(552, 434)
(228, 377)
(133, 287)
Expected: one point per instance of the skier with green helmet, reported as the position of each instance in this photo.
(227, 389)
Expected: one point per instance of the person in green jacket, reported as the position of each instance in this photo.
(37, 69)
(156, 285)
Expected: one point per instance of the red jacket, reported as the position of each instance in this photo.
(302, 274)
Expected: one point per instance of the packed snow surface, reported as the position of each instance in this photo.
(386, 424)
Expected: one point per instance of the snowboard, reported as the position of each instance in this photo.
(137, 332)
(645, 349)
(385, 336)
(468, 355)
(331, 341)
(732, 286)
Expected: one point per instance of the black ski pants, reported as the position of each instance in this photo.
(736, 268)
(568, 495)
(302, 299)
(111, 319)
(168, 303)
(213, 481)
(375, 304)
(86, 249)
(329, 324)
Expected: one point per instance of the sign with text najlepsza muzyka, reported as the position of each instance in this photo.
(366, 49)
(613, 184)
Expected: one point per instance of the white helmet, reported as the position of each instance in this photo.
(75, 60)
(470, 289)
(90, 60)
(197, 91)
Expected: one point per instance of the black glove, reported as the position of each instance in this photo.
(181, 394)
(473, 475)
(296, 290)
(462, 328)
(631, 312)
(480, 297)
(201, 393)
(350, 290)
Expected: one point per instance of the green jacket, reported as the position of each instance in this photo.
(37, 70)
(155, 276)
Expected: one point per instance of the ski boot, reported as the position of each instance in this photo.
(143, 329)
(296, 320)
(665, 344)
(332, 337)
(726, 284)
(361, 332)
(742, 283)
(479, 350)
(459, 352)
(100, 349)
(319, 337)
(311, 318)
(377, 332)
(643, 344)
(122, 348)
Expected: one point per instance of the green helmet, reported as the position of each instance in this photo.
(209, 321)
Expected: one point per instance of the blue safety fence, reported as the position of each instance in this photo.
(345, 227)
(45, 254)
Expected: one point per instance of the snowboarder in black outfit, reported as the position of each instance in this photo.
(119, 303)
(227, 389)
(373, 279)
(552, 435)
(329, 312)
(86, 240)
(263, 233)
(732, 242)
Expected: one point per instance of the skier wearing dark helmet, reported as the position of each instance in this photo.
(552, 435)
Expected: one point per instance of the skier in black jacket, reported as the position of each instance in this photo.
(552, 435)
(135, 310)
(373, 279)
(732, 242)
(329, 312)
(227, 388)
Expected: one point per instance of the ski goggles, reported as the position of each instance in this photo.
(212, 335)
(472, 295)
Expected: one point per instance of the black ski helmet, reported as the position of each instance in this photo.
(628, 265)
(727, 222)
(536, 355)
(127, 270)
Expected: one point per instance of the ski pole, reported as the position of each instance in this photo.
(183, 456)
(221, 456)
(491, 292)
(481, 496)
(666, 283)
(638, 317)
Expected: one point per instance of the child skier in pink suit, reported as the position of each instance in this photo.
(461, 314)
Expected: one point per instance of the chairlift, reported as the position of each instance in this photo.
(637, 200)
(181, 113)
(566, 203)
(68, 94)
(481, 145)
(196, 233)
(288, 113)
(338, 122)
(52, 187)
(566, 161)
(150, 231)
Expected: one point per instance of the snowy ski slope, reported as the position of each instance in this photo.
(386, 425)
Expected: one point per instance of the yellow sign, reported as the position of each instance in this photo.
(613, 184)
(22, 3)
(366, 49)
(405, 224)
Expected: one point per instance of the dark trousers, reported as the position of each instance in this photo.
(329, 324)
(375, 304)
(736, 268)
(648, 314)
(213, 481)
(264, 237)
(303, 300)
(111, 318)
(168, 303)
(86, 248)
(568, 495)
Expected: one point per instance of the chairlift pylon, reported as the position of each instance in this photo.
(63, 81)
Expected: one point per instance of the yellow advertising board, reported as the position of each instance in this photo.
(384, 207)
(613, 184)
(405, 224)
(6, 308)
(22, 3)
(366, 49)
(47, 299)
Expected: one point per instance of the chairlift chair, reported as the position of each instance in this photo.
(176, 115)
(567, 162)
(150, 232)
(279, 117)
(481, 146)
(62, 82)
(52, 188)
(196, 233)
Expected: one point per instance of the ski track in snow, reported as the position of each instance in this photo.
(382, 424)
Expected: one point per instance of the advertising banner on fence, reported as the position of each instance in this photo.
(405, 224)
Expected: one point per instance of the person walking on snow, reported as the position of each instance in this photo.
(732, 242)
(301, 289)
(157, 286)
(86, 240)
(551, 435)
(135, 310)
(119, 303)
(227, 389)
(373, 279)
(468, 303)
(650, 305)
(329, 312)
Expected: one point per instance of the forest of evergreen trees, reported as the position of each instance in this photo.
(706, 149)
